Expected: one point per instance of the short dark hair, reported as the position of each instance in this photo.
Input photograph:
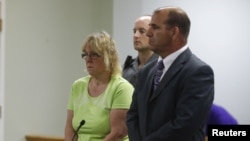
(177, 17)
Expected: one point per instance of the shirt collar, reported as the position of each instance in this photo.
(167, 61)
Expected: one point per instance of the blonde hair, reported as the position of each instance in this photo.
(102, 43)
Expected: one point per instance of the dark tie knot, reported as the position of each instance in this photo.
(160, 65)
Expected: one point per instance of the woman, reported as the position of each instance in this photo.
(102, 98)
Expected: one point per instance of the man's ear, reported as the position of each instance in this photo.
(175, 32)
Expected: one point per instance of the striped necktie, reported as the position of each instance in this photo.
(159, 71)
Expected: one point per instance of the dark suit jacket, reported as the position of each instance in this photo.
(179, 108)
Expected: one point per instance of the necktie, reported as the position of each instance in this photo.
(159, 71)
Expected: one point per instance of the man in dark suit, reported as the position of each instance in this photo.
(177, 110)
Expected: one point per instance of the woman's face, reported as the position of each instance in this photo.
(94, 62)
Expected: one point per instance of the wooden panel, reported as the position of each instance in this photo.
(43, 138)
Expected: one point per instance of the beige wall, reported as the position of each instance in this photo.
(42, 59)
(2, 45)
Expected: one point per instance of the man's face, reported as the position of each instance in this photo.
(140, 29)
(159, 35)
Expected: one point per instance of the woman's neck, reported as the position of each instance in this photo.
(97, 85)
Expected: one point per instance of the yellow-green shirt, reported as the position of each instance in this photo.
(96, 110)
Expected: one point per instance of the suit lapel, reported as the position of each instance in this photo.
(150, 80)
(171, 72)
